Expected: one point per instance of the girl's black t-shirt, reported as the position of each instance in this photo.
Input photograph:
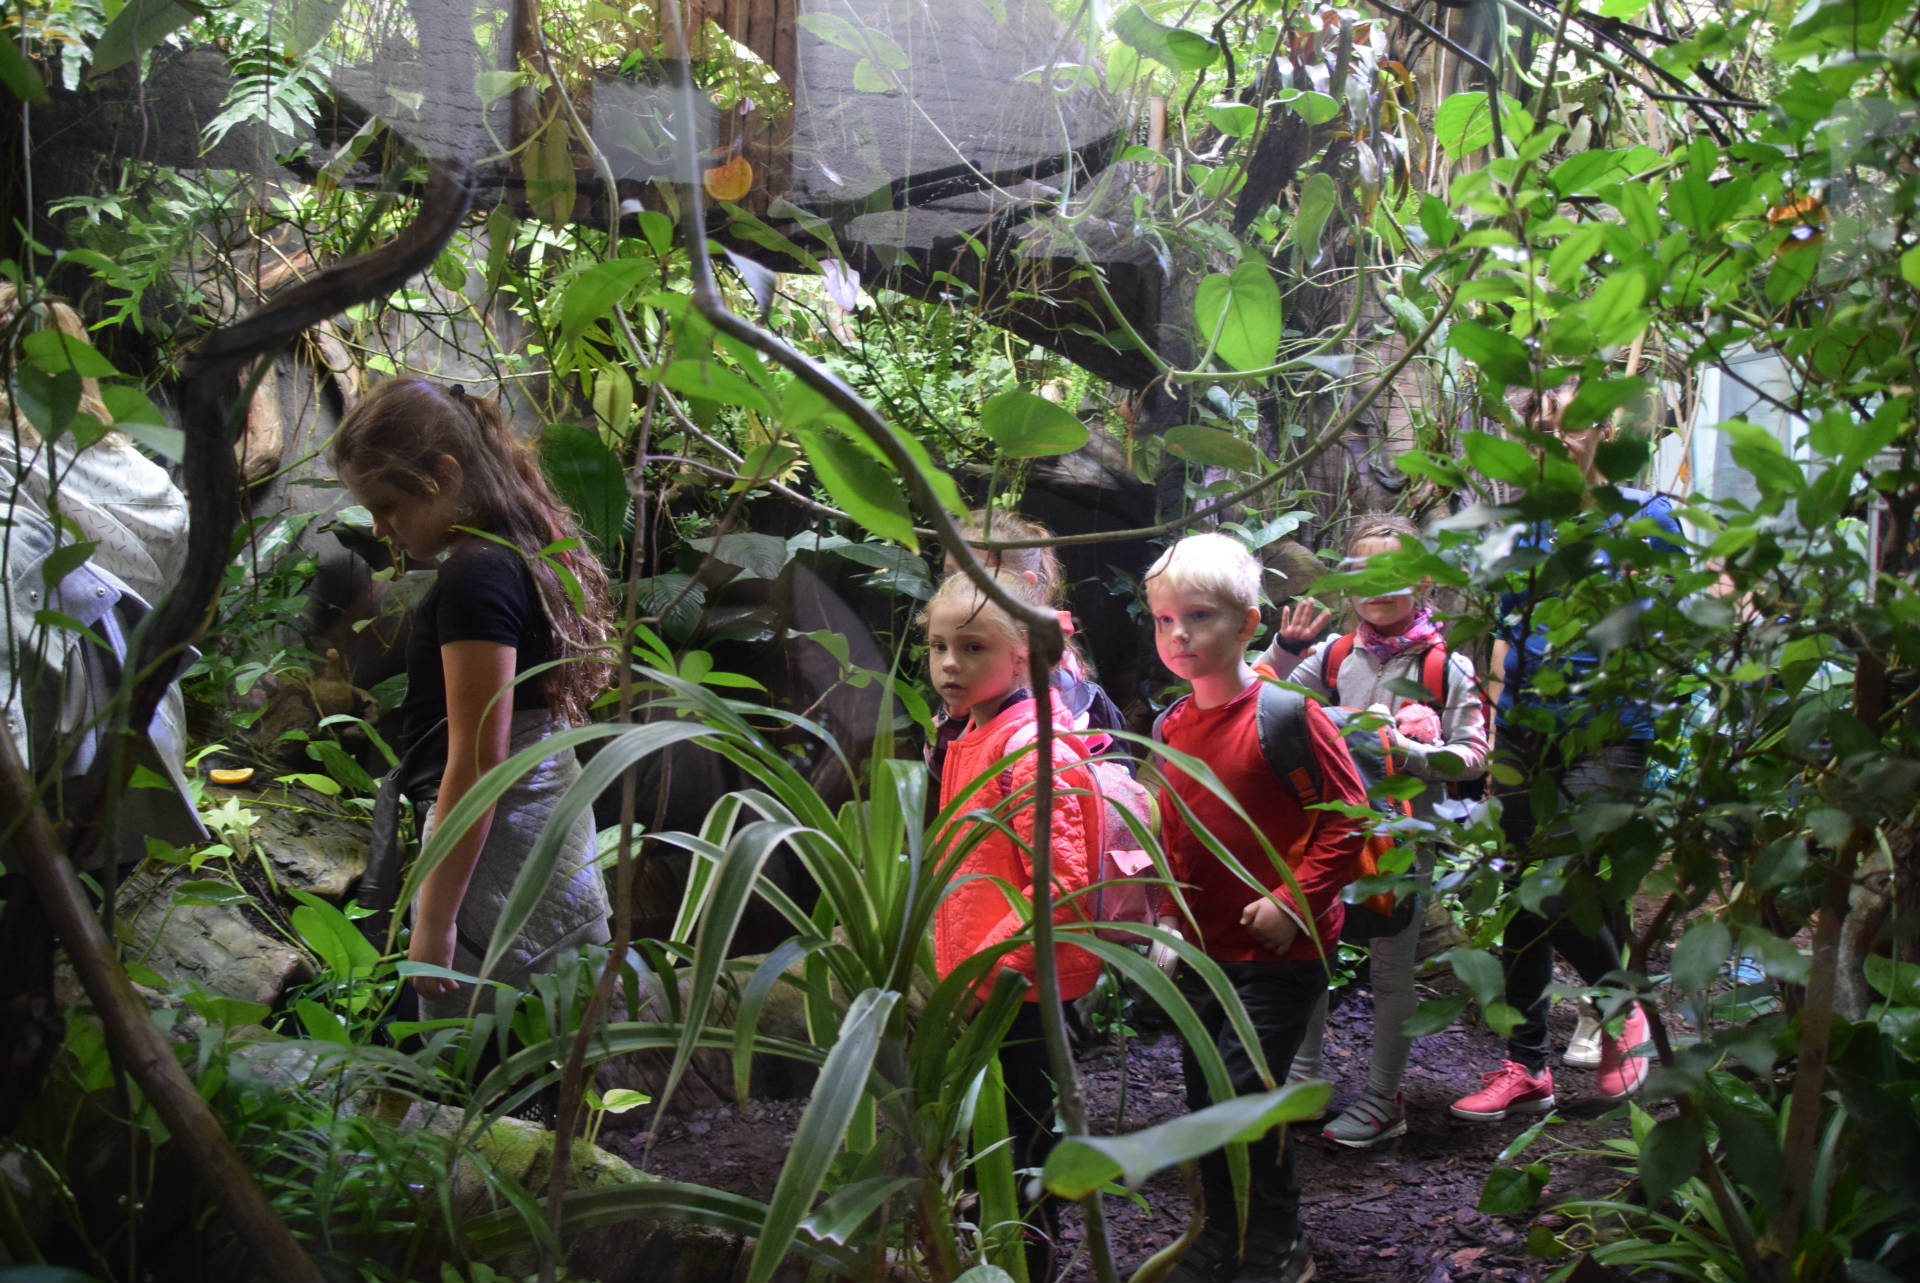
(482, 592)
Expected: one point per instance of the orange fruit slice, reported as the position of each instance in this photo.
(234, 775)
(729, 181)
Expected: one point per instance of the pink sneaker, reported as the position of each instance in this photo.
(1621, 1072)
(1509, 1089)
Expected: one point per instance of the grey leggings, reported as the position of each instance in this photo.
(1391, 965)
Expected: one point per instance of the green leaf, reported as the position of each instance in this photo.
(1587, 172)
(1910, 267)
(1313, 106)
(1434, 1016)
(842, 1082)
(1503, 357)
(54, 351)
(589, 479)
(139, 26)
(64, 560)
(1234, 119)
(861, 485)
(712, 381)
(1898, 982)
(1181, 50)
(870, 79)
(1700, 954)
(1245, 310)
(1079, 1165)
(17, 74)
(208, 893)
(1508, 1190)
(1026, 426)
(597, 291)
(1499, 458)
(1480, 972)
(1463, 124)
(1317, 200)
(760, 556)
(332, 936)
(1197, 443)
(1595, 820)
(1670, 1156)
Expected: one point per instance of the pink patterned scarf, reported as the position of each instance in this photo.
(1419, 633)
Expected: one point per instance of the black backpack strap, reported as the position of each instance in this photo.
(1285, 742)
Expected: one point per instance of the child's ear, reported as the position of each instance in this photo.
(1032, 578)
(1249, 624)
(446, 473)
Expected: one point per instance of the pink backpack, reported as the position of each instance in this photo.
(1117, 895)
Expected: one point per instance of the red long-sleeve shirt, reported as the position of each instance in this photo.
(1227, 740)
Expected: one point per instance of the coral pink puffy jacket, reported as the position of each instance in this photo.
(976, 913)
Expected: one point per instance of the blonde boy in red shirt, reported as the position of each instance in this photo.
(1204, 597)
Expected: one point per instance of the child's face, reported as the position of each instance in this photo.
(1199, 633)
(418, 525)
(1389, 612)
(973, 662)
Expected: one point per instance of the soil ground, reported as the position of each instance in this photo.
(1402, 1213)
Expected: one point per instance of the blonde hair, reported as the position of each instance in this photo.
(396, 433)
(958, 590)
(1212, 563)
(1049, 586)
(1369, 526)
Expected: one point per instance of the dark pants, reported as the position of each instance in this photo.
(1280, 999)
(1030, 1110)
(1616, 773)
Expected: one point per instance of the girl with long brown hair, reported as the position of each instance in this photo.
(444, 478)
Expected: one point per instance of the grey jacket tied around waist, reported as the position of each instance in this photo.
(573, 908)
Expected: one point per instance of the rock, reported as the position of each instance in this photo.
(222, 948)
(1291, 570)
(322, 854)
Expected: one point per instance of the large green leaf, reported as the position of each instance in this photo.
(706, 380)
(1318, 196)
(1198, 443)
(589, 479)
(842, 1082)
(1670, 1156)
(1501, 355)
(1079, 1165)
(1499, 458)
(1181, 50)
(597, 291)
(1463, 123)
(17, 75)
(1700, 954)
(861, 485)
(1026, 426)
(139, 26)
(1244, 309)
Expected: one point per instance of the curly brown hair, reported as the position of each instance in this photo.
(395, 434)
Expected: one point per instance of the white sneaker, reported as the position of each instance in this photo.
(1583, 1049)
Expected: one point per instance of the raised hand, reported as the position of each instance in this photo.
(1301, 622)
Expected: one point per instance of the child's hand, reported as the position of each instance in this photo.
(434, 946)
(1300, 623)
(1161, 954)
(1271, 927)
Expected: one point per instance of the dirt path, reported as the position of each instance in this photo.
(1404, 1213)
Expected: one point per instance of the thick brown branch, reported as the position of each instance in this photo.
(136, 1042)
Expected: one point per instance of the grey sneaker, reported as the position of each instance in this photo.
(1368, 1121)
(1583, 1049)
